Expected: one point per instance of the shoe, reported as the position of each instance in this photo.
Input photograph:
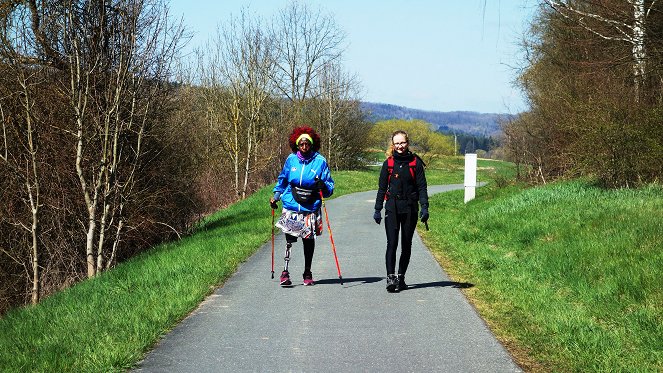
(392, 283)
(308, 279)
(401, 283)
(285, 279)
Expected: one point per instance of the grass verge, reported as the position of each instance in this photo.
(107, 323)
(568, 275)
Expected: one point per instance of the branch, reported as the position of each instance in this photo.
(174, 230)
(4, 133)
(562, 8)
(651, 6)
(55, 57)
(11, 256)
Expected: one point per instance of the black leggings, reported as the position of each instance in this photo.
(393, 223)
(309, 247)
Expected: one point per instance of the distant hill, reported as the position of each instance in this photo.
(470, 122)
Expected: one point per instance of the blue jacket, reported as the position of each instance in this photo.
(303, 174)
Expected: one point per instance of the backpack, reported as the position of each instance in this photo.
(390, 168)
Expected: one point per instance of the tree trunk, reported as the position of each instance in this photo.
(639, 53)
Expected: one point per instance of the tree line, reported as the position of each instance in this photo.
(594, 82)
(112, 141)
(427, 143)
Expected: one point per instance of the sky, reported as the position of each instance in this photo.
(437, 55)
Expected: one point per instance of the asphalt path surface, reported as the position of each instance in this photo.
(251, 324)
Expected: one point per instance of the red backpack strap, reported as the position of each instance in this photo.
(390, 169)
(413, 166)
(390, 165)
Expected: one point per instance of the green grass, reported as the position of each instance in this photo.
(569, 275)
(447, 170)
(107, 323)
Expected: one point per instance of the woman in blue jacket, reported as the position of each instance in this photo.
(305, 173)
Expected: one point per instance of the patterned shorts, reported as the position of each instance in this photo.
(300, 224)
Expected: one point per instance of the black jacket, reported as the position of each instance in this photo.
(403, 192)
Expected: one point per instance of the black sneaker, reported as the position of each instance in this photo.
(401, 283)
(392, 283)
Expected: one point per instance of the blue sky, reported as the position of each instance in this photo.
(441, 55)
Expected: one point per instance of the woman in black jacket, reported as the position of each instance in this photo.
(402, 189)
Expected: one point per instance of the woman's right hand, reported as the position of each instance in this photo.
(274, 199)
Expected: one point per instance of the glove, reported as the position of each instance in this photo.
(377, 216)
(272, 203)
(320, 185)
(424, 215)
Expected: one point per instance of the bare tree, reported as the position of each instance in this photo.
(236, 73)
(24, 161)
(32, 185)
(110, 53)
(340, 122)
(306, 41)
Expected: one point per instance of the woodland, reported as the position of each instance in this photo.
(112, 142)
(594, 83)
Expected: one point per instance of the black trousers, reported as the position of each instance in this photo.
(405, 224)
(309, 248)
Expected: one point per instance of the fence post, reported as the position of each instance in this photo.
(470, 176)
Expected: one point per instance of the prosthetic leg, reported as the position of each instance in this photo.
(285, 275)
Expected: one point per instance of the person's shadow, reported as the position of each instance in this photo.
(441, 284)
(355, 281)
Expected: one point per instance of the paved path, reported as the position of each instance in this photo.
(253, 325)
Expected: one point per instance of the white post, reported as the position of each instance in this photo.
(470, 176)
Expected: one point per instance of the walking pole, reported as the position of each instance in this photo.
(272, 243)
(331, 237)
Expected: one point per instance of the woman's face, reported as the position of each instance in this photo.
(400, 143)
(304, 146)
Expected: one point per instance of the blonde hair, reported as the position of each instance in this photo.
(390, 151)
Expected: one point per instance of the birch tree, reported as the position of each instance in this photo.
(591, 85)
(136, 45)
(614, 24)
(24, 160)
(109, 52)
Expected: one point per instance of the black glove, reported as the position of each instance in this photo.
(277, 197)
(377, 216)
(320, 185)
(424, 215)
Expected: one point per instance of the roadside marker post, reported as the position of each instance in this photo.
(470, 176)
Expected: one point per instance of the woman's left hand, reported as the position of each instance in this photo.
(424, 215)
